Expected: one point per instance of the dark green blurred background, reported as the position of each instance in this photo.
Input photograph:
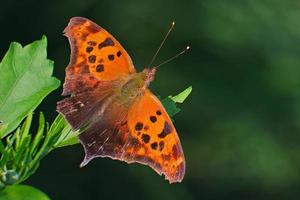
(240, 128)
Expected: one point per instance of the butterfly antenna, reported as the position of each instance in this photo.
(172, 58)
(161, 44)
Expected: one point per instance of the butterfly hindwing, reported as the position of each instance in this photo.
(143, 133)
(108, 135)
(151, 125)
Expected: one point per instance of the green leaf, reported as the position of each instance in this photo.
(70, 139)
(67, 136)
(22, 192)
(3, 128)
(39, 135)
(170, 102)
(180, 98)
(28, 79)
(170, 106)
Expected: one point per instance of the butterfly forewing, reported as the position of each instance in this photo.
(95, 56)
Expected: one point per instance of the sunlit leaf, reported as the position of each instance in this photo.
(26, 76)
(24, 192)
(171, 101)
(180, 98)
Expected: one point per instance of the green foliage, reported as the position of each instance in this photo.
(21, 152)
(24, 192)
(26, 80)
(170, 102)
(67, 136)
(25, 74)
(181, 97)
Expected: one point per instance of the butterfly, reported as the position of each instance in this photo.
(111, 104)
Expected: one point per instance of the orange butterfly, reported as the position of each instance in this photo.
(111, 103)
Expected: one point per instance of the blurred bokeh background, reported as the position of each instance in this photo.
(240, 128)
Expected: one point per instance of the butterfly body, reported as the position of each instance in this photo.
(110, 102)
(137, 84)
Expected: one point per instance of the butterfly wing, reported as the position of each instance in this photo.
(151, 125)
(98, 65)
(95, 56)
(143, 133)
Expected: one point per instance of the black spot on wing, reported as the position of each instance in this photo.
(111, 57)
(145, 138)
(119, 54)
(154, 145)
(166, 130)
(161, 145)
(139, 126)
(100, 68)
(92, 59)
(107, 42)
(89, 49)
(153, 119)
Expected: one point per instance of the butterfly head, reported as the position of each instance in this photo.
(149, 74)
